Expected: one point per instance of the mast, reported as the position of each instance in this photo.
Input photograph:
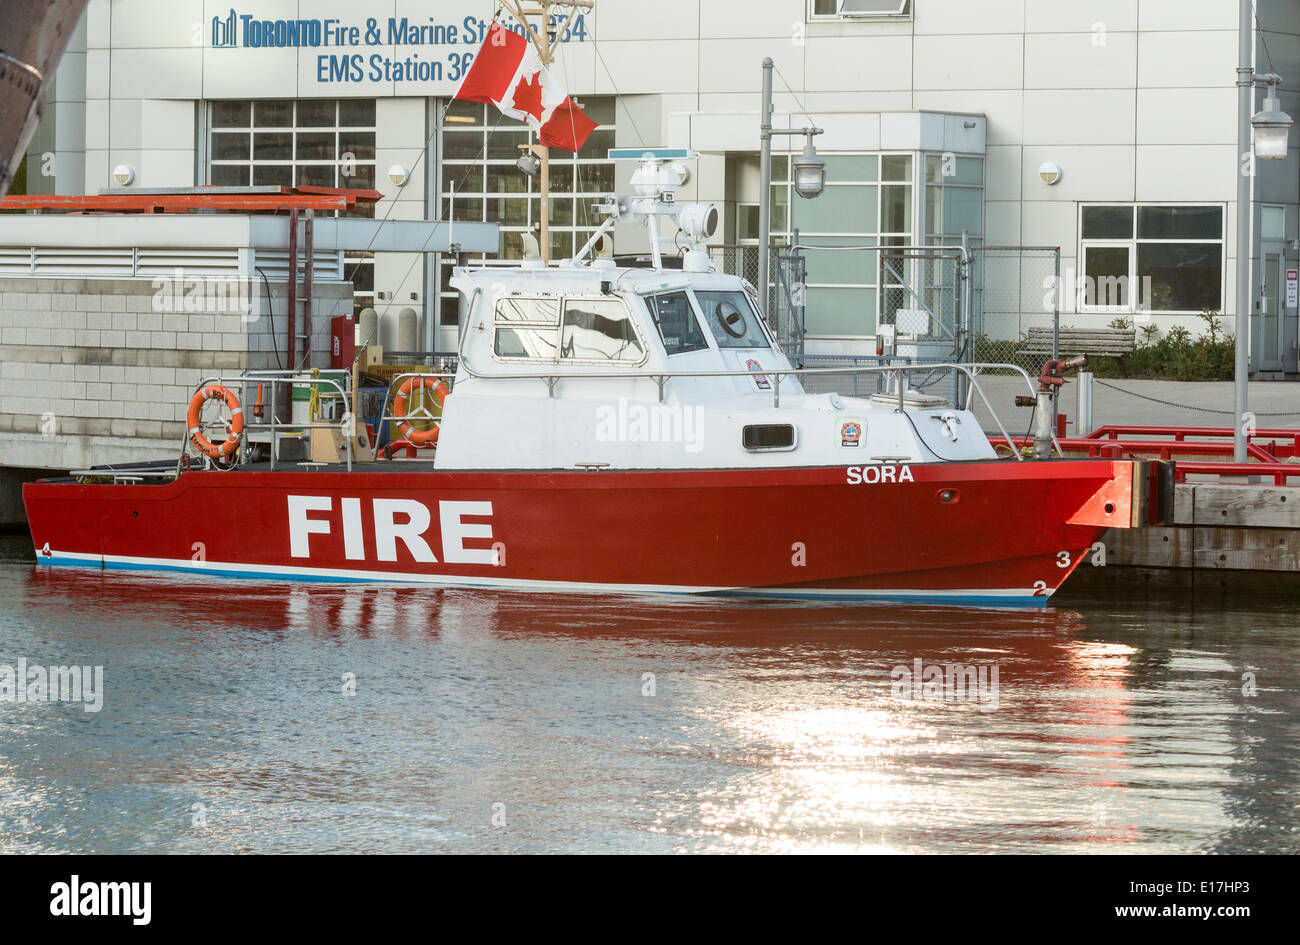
(544, 40)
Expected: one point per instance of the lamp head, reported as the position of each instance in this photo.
(1272, 129)
(809, 172)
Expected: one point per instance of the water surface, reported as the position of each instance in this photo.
(494, 722)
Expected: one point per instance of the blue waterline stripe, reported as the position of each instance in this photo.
(972, 600)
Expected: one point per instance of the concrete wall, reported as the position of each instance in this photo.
(96, 371)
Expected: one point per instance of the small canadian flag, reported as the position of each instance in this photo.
(508, 73)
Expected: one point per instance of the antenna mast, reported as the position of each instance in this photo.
(544, 40)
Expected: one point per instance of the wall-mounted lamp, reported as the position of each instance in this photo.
(399, 174)
(1050, 172)
(124, 174)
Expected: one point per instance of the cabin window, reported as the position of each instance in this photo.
(675, 319)
(599, 330)
(757, 437)
(526, 328)
(732, 320)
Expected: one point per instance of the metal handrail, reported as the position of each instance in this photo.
(661, 378)
(276, 379)
(385, 416)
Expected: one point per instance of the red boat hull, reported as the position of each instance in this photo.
(994, 533)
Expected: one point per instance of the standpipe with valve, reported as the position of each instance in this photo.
(1050, 380)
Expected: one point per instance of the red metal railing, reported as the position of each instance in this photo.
(1264, 459)
(1291, 446)
(1163, 449)
(1279, 472)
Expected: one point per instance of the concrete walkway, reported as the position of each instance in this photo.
(1276, 404)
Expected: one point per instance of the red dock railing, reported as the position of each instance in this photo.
(1265, 459)
(1113, 431)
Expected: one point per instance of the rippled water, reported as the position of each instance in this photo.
(505, 722)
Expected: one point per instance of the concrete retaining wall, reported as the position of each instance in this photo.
(101, 371)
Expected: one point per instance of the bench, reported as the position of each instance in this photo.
(1117, 343)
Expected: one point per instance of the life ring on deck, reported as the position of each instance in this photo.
(201, 442)
(438, 391)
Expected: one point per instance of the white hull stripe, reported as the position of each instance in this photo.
(1011, 596)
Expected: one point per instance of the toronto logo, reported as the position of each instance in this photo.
(223, 31)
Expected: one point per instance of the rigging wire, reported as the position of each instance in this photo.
(270, 314)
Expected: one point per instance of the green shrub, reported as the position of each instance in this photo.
(1178, 356)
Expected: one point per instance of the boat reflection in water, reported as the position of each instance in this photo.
(510, 722)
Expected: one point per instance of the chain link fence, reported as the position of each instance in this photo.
(1015, 304)
(785, 287)
(738, 260)
(1008, 313)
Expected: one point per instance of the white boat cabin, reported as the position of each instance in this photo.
(589, 365)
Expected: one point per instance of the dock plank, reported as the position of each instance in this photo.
(1246, 506)
(1247, 549)
(1153, 547)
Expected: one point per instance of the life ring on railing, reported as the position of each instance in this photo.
(438, 390)
(201, 442)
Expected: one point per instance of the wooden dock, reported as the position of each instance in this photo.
(1225, 536)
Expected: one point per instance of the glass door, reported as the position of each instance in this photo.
(1271, 344)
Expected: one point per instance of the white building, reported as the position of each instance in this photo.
(938, 116)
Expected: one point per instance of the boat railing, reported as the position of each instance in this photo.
(898, 374)
(421, 413)
(337, 382)
(333, 381)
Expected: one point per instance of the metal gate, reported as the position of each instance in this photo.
(1014, 289)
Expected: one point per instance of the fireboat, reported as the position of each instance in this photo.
(612, 429)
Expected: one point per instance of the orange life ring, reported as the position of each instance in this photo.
(201, 442)
(439, 391)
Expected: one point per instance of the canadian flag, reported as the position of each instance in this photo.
(508, 73)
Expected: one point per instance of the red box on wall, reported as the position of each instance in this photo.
(343, 341)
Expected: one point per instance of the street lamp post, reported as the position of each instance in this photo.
(1271, 129)
(810, 178)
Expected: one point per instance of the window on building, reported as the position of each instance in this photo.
(478, 151)
(747, 223)
(316, 142)
(867, 202)
(1151, 258)
(312, 142)
(954, 197)
(823, 9)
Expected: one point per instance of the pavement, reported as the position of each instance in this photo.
(1276, 404)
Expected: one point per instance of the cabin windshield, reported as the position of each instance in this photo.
(675, 319)
(732, 320)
